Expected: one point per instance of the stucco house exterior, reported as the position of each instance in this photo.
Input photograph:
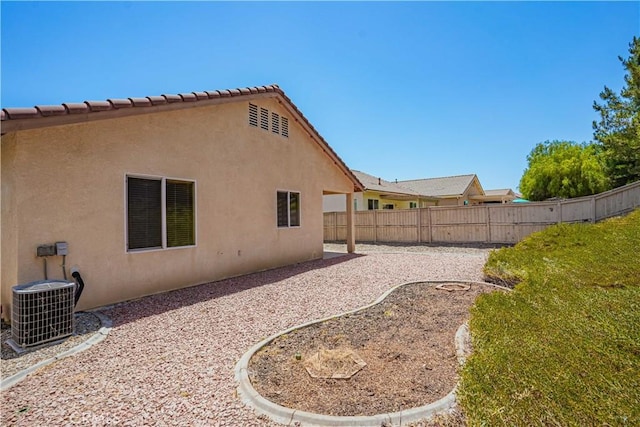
(502, 195)
(158, 193)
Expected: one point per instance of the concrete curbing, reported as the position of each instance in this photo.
(94, 339)
(284, 415)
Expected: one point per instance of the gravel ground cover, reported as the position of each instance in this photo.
(169, 359)
(86, 325)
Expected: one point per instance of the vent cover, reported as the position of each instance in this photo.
(264, 118)
(42, 312)
(253, 115)
(279, 124)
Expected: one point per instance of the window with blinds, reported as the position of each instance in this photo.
(288, 209)
(144, 213)
(160, 213)
(179, 213)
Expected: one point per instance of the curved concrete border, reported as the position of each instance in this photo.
(100, 335)
(284, 415)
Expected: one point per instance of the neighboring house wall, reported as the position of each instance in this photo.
(337, 202)
(67, 183)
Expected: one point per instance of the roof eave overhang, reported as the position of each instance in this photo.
(112, 109)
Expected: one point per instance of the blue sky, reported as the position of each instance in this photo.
(400, 90)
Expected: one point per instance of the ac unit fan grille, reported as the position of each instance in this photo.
(42, 312)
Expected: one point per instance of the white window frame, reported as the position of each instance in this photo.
(163, 202)
(280, 227)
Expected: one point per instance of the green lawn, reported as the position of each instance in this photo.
(563, 348)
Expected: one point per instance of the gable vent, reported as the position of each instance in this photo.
(253, 115)
(284, 127)
(264, 118)
(275, 123)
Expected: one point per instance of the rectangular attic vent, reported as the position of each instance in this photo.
(264, 118)
(253, 115)
(279, 124)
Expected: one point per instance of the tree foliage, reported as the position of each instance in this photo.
(618, 130)
(563, 169)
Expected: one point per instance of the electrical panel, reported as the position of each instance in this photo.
(62, 248)
(58, 248)
(46, 250)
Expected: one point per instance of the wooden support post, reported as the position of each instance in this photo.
(351, 228)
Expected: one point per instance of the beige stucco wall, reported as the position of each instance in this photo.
(67, 183)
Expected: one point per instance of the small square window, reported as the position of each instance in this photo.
(288, 209)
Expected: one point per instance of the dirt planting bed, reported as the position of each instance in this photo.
(406, 341)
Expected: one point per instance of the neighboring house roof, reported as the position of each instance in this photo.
(16, 119)
(449, 186)
(373, 183)
(500, 192)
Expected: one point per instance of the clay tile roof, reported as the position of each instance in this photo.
(245, 90)
(188, 97)
(3, 115)
(235, 92)
(224, 93)
(76, 107)
(98, 105)
(201, 95)
(213, 94)
(157, 100)
(172, 98)
(140, 102)
(21, 113)
(120, 103)
(51, 110)
(261, 89)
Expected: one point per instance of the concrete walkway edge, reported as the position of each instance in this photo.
(100, 335)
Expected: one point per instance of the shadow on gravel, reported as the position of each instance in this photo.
(130, 311)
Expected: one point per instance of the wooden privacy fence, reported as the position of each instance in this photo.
(491, 223)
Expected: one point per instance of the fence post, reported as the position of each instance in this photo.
(419, 225)
(375, 225)
(429, 225)
(488, 224)
(559, 212)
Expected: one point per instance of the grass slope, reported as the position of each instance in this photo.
(564, 347)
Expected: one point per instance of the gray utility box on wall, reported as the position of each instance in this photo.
(42, 311)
